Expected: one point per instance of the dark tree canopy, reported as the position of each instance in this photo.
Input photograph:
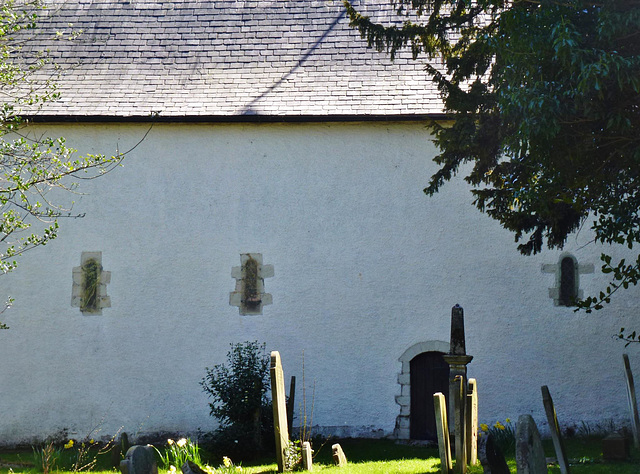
(546, 101)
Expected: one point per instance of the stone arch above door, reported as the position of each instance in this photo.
(401, 430)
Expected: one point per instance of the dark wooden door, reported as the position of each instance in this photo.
(429, 375)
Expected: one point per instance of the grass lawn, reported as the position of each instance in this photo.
(387, 457)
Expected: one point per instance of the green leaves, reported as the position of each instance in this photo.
(546, 102)
(32, 166)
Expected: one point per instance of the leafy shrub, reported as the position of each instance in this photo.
(238, 391)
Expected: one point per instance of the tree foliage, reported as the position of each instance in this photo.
(546, 100)
(36, 172)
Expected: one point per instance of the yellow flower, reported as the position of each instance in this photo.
(484, 427)
(172, 469)
(169, 442)
(499, 425)
(69, 444)
(226, 461)
(181, 442)
(92, 441)
(508, 420)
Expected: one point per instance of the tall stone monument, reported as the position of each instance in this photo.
(457, 359)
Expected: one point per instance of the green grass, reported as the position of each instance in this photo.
(388, 457)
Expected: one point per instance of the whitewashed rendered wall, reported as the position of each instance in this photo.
(365, 267)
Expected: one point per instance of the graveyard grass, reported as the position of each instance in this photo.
(387, 457)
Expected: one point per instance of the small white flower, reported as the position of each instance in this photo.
(181, 442)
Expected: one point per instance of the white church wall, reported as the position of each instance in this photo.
(365, 267)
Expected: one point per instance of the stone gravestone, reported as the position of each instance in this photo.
(190, 467)
(615, 447)
(460, 421)
(307, 456)
(119, 448)
(554, 427)
(444, 443)
(472, 422)
(491, 457)
(633, 403)
(139, 460)
(339, 459)
(278, 397)
(530, 457)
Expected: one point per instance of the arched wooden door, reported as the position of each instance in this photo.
(429, 374)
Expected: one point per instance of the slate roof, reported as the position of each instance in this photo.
(226, 59)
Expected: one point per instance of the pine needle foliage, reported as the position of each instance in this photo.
(546, 101)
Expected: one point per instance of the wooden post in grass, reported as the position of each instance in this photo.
(291, 402)
(472, 422)
(554, 427)
(442, 427)
(278, 397)
(633, 403)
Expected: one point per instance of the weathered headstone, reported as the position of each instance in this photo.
(554, 427)
(530, 457)
(472, 422)
(124, 442)
(460, 420)
(278, 397)
(291, 403)
(307, 456)
(339, 459)
(189, 467)
(633, 404)
(615, 447)
(139, 460)
(119, 448)
(491, 458)
(442, 427)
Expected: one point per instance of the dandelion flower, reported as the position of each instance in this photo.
(226, 461)
(69, 444)
(181, 442)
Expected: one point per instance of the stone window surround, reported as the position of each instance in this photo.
(556, 268)
(403, 420)
(264, 271)
(102, 300)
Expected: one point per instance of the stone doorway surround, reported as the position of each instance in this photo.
(403, 420)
